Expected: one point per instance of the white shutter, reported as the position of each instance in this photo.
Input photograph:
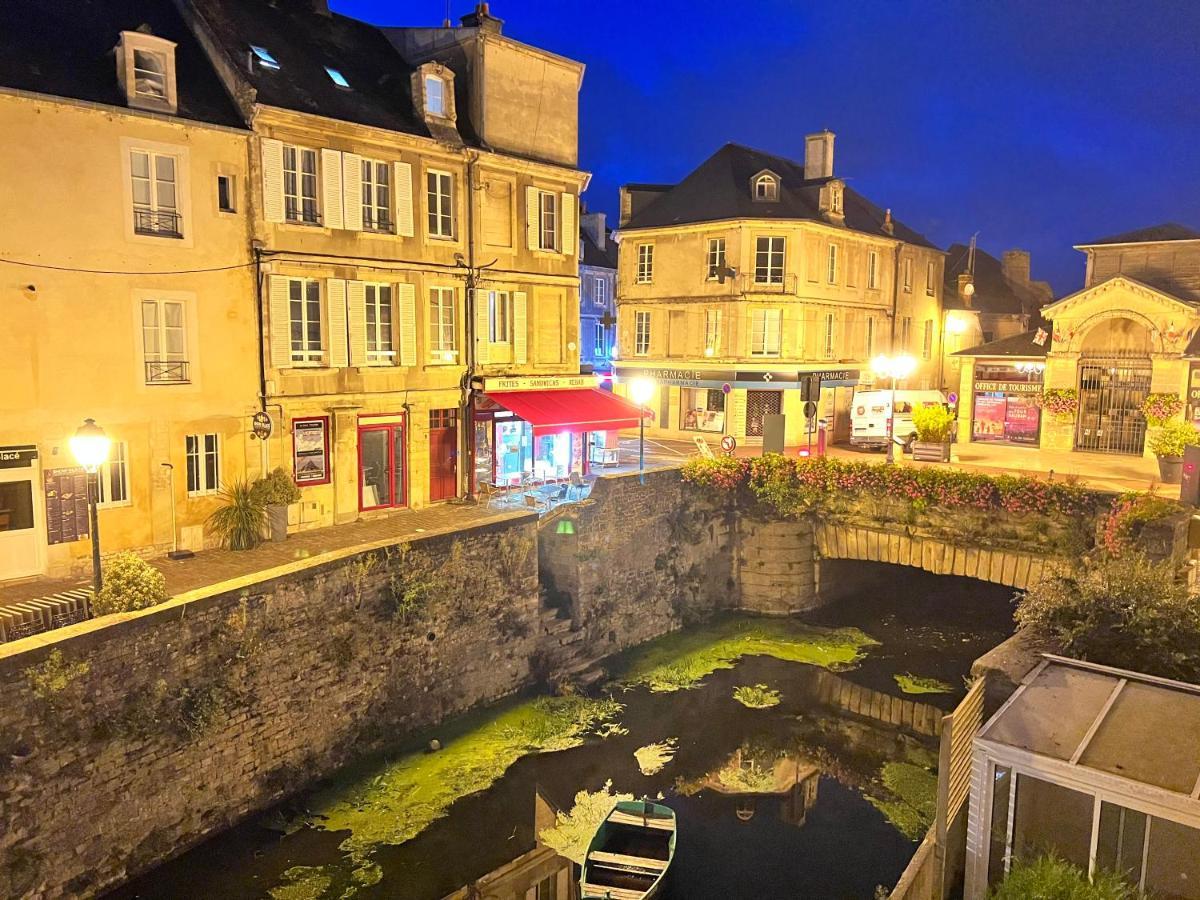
(567, 239)
(520, 328)
(331, 188)
(482, 344)
(404, 200)
(281, 338)
(352, 191)
(531, 217)
(407, 295)
(356, 300)
(272, 165)
(335, 314)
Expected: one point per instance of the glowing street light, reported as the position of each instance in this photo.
(90, 446)
(896, 368)
(640, 391)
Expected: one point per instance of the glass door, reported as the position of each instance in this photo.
(381, 466)
(22, 531)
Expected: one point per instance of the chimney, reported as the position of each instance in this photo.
(482, 19)
(593, 224)
(818, 155)
(966, 288)
(1015, 266)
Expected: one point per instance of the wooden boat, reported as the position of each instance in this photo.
(629, 853)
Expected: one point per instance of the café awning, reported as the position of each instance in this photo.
(587, 409)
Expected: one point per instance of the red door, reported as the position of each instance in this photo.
(443, 454)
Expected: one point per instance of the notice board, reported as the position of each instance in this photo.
(66, 505)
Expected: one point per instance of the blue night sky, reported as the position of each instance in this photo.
(1037, 124)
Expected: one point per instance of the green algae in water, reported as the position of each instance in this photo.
(683, 660)
(911, 803)
(653, 758)
(917, 684)
(757, 696)
(399, 802)
(571, 832)
(302, 883)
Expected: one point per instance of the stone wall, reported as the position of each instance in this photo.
(776, 566)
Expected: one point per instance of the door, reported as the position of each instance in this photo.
(759, 405)
(381, 462)
(443, 454)
(1111, 393)
(22, 525)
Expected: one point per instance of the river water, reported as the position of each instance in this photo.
(772, 802)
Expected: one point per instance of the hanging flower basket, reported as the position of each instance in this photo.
(1061, 403)
(1159, 408)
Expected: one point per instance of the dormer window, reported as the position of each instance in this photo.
(146, 71)
(337, 78)
(149, 74)
(836, 199)
(766, 187)
(264, 57)
(435, 95)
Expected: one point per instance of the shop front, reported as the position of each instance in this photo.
(382, 466)
(1005, 405)
(22, 524)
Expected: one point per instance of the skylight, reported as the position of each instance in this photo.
(264, 57)
(338, 78)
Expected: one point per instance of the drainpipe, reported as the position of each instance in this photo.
(466, 412)
(258, 314)
(895, 298)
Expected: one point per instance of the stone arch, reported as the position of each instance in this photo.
(1117, 332)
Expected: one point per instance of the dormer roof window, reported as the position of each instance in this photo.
(831, 201)
(265, 59)
(766, 187)
(146, 71)
(433, 100)
(337, 78)
(435, 95)
(149, 74)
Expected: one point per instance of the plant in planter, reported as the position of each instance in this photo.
(1161, 408)
(1168, 444)
(934, 425)
(241, 520)
(275, 492)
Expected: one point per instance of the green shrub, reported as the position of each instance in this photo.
(275, 489)
(934, 424)
(1173, 437)
(241, 521)
(1120, 611)
(1052, 878)
(129, 583)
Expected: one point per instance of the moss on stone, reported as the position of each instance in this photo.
(911, 798)
(919, 684)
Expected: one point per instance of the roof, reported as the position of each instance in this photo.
(720, 189)
(64, 48)
(1105, 722)
(1168, 231)
(591, 255)
(993, 292)
(1017, 345)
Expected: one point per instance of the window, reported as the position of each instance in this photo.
(908, 273)
(381, 340)
(600, 348)
(765, 326)
(930, 270)
(546, 889)
(645, 263)
(702, 409)
(1049, 815)
(114, 477)
(155, 205)
(203, 464)
(225, 195)
(304, 318)
(1121, 841)
(998, 837)
(149, 74)
(716, 258)
(712, 332)
(164, 341)
(869, 348)
(440, 200)
(300, 185)
(831, 268)
(499, 317)
(766, 187)
(376, 196)
(835, 199)
(828, 346)
(641, 334)
(337, 78)
(927, 340)
(435, 96)
(768, 260)
(547, 220)
(443, 336)
(601, 292)
(872, 269)
(265, 59)
(906, 333)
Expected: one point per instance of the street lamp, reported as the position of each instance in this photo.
(641, 390)
(895, 368)
(89, 446)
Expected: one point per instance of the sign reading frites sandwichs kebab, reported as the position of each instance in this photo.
(538, 383)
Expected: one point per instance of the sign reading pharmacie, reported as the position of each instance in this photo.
(502, 383)
(715, 378)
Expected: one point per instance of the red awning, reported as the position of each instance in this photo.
(586, 409)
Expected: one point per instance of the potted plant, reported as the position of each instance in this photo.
(934, 425)
(274, 493)
(1168, 444)
(240, 520)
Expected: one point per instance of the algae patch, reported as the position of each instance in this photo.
(653, 758)
(572, 831)
(682, 660)
(911, 801)
(756, 696)
(918, 684)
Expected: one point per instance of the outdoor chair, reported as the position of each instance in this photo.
(534, 502)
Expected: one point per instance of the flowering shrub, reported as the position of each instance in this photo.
(726, 473)
(1128, 516)
(129, 583)
(1158, 408)
(1059, 402)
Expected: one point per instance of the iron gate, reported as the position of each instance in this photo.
(1111, 392)
(760, 404)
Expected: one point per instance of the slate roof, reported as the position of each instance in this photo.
(1017, 345)
(720, 189)
(64, 48)
(1168, 231)
(593, 256)
(993, 292)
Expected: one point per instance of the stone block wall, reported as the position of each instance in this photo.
(776, 566)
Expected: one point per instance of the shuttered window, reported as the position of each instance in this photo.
(203, 464)
(300, 185)
(380, 326)
(439, 188)
(547, 220)
(304, 321)
(443, 333)
(499, 317)
(377, 196)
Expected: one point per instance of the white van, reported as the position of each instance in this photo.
(870, 410)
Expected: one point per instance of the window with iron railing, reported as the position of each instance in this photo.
(300, 185)
(164, 342)
(377, 197)
(155, 203)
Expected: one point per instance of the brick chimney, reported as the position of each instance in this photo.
(482, 19)
(1015, 266)
(593, 224)
(966, 288)
(818, 155)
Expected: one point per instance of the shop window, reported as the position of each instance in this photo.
(16, 506)
(702, 409)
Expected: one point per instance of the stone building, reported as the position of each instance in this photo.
(127, 293)
(597, 294)
(757, 275)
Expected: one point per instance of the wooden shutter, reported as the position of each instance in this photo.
(482, 343)
(520, 330)
(531, 217)
(567, 238)
(331, 188)
(356, 301)
(272, 163)
(352, 191)
(335, 315)
(404, 200)
(281, 337)
(407, 296)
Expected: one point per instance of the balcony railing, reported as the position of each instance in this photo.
(776, 283)
(158, 222)
(381, 224)
(299, 216)
(166, 371)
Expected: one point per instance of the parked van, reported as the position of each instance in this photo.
(870, 411)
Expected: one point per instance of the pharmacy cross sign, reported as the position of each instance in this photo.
(766, 376)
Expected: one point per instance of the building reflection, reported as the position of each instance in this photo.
(787, 780)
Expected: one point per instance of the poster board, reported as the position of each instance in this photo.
(310, 451)
(66, 493)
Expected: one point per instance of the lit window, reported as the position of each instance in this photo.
(765, 330)
(768, 260)
(440, 199)
(645, 263)
(149, 74)
(443, 337)
(381, 347)
(641, 338)
(265, 59)
(304, 321)
(203, 464)
(337, 78)
(435, 95)
(155, 207)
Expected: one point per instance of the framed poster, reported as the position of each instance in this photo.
(989, 417)
(310, 451)
(66, 505)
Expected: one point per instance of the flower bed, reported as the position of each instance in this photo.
(1128, 517)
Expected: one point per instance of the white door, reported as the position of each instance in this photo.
(22, 522)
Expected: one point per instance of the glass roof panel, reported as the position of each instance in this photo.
(1054, 712)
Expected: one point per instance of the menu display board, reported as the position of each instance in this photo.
(66, 505)
(310, 451)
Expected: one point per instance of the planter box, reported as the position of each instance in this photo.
(924, 451)
(1170, 469)
(277, 516)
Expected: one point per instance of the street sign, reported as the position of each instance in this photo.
(810, 409)
(953, 398)
(727, 389)
(728, 443)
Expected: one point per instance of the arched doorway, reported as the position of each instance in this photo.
(1114, 379)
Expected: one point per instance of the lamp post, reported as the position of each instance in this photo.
(89, 446)
(641, 389)
(894, 368)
